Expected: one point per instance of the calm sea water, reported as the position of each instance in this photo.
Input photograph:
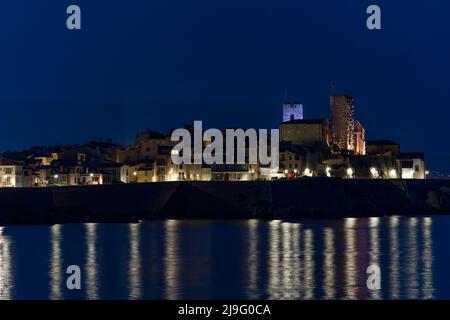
(252, 259)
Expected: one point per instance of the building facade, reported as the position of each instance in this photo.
(11, 174)
(308, 132)
(360, 139)
(343, 122)
(412, 165)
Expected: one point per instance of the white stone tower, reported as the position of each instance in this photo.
(292, 111)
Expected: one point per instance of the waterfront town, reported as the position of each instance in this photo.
(308, 148)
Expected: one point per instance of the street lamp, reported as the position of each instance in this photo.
(374, 172)
(350, 172)
(393, 173)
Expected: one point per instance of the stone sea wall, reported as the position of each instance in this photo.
(303, 198)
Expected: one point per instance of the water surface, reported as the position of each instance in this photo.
(251, 259)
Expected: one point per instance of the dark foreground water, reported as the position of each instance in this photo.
(251, 259)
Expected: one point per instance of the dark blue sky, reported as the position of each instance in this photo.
(158, 64)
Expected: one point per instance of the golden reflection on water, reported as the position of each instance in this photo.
(427, 257)
(252, 260)
(6, 283)
(290, 274)
(284, 261)
(134, 263)
(172, 260)
(329, 266)
(295, 261)
(56, 272)
(374, 252)
(274, 283)
(91, 261)
(411, 260)
(290, 261)
(351, 269)
(394, 256)
(309, 264)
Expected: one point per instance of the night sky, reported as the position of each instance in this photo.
(158, 64)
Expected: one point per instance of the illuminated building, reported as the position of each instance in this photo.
(412, 165)
(11, 174)
(360, 143)
(291, 160)
(343, 122)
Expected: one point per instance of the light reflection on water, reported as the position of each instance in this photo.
(394, 273)
(374, 250)
(172, 260)
(6, 284)
(329, 253)
(56, 260)
(134, 263)
(351, 254)
(91, 262)
(250, 259)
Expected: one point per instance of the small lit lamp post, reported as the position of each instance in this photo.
(374, 172)
(250, 173)
(349, 173)
(392, 174)
(307, 172)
